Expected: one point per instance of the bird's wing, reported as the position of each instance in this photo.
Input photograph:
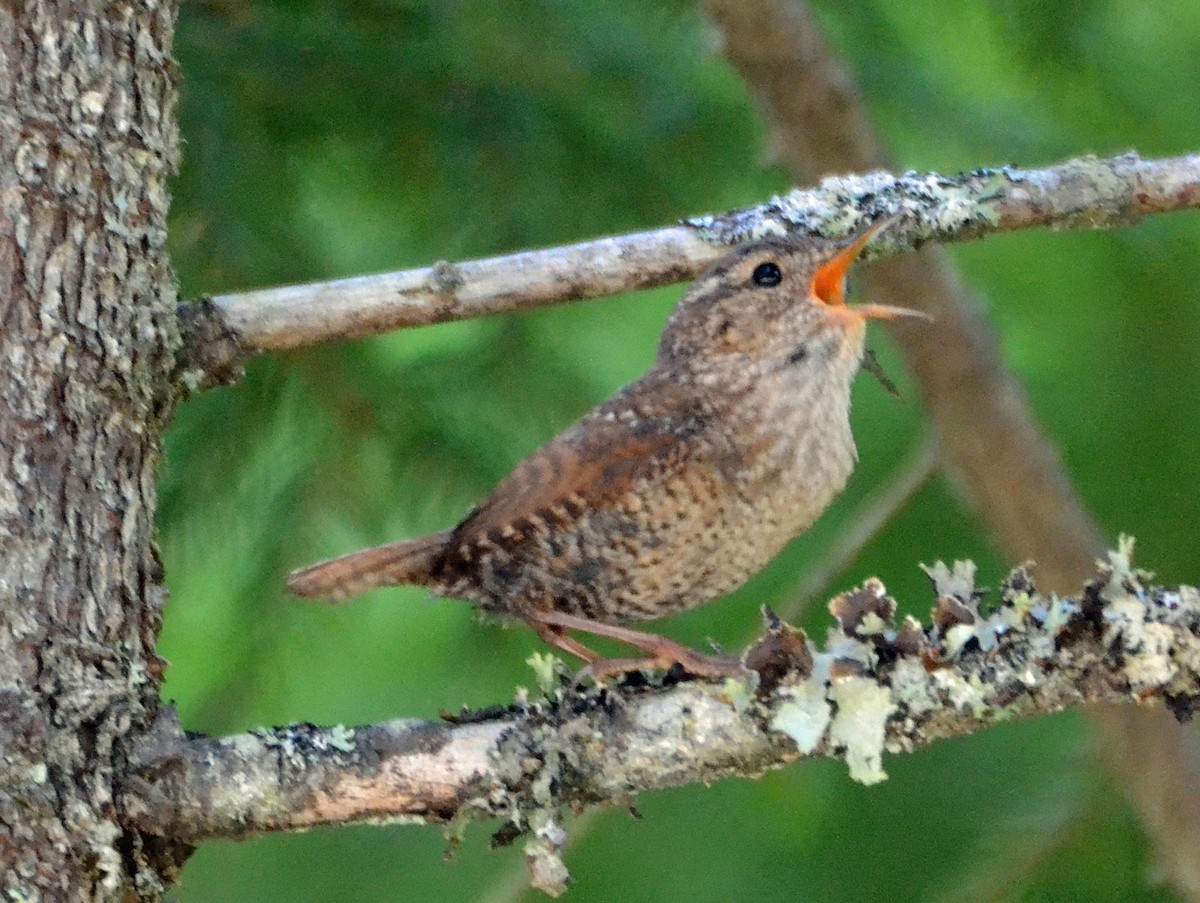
(591, 464)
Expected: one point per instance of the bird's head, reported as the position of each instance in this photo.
(771, 305)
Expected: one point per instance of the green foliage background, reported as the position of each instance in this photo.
(331, 137)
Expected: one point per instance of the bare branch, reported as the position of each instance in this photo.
(1084, 192)
(294, 316)
(875, 687)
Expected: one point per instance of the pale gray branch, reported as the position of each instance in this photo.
(1084, 192)
(875, 687)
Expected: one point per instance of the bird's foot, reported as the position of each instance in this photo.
(692, 662)
(662, 654)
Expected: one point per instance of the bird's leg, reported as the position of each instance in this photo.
(663, 654)
(559, 638)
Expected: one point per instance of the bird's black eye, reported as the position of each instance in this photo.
(767, 274)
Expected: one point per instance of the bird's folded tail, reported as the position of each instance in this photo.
(410, 561)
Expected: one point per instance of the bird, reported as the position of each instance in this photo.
(679, 487)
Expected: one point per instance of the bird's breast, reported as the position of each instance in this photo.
(789, 463)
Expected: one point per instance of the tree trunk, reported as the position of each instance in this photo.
(87, 335)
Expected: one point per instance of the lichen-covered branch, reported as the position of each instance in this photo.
(876, 686)
(1085, 192)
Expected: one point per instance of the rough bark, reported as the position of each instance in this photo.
(87, 331)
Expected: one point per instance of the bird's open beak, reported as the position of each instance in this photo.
(829, 281)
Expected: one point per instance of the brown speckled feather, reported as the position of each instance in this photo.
(595, 461)
(394, 564)
(571, 501)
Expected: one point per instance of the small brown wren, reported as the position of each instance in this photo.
(680, 486)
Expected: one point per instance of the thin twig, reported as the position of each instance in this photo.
(1085, 192)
